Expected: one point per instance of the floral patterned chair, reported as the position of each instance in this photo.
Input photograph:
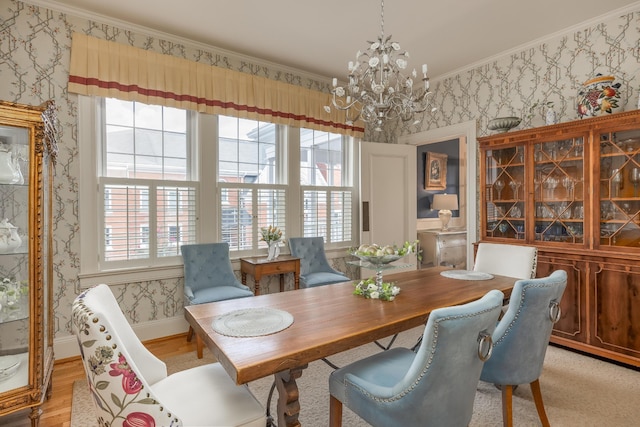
(130, 386)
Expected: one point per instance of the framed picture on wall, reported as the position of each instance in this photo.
(435, 172)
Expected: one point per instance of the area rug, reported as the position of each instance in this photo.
(577, 390)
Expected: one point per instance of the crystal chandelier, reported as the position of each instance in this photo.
(378, 90)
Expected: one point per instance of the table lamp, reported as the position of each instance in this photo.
(445, 203)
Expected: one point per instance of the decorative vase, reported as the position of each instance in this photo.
(9, 238)
(597, 96)
(8, 173)
(550, 117)
(273, 250)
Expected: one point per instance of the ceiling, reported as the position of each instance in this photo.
(322, 37)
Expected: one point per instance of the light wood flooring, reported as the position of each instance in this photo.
(56, 412)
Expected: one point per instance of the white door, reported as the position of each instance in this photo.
(388, 196)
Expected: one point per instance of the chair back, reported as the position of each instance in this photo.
(208, 265)
(314, 267)
(515, 261)
(440, 385)
(310, 250)
(522, 335)
(120, 385)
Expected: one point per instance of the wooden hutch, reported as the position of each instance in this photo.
(573, 191)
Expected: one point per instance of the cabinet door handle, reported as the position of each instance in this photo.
(365, 216)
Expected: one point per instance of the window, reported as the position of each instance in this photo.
(167, 177)
(144, 236)
(107, 236)
(107, 199)
(327, 199)
(145, 178)
(251, 181)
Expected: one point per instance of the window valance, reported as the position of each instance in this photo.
(103, 68)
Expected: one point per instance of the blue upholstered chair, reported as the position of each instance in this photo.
(522, 337)
(130, 386)
(435, 386)
(314, 267)
(208, 277)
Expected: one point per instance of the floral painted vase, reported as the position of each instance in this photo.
(597, 96)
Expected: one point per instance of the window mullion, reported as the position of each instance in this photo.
(153, 221)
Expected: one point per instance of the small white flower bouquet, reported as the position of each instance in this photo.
(369, 289)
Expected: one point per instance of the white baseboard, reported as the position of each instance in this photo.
(68, 346)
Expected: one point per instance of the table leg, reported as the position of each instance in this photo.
(288, 403)
(256, 282)
(243, 275)
(282, 283)
(296, 281)
(199, 346)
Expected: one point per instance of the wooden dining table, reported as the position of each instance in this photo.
(328, 320)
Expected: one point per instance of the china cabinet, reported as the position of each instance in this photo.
(573, 191)
(28, 146)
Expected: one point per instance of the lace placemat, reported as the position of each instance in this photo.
(252, 322)
(466, 275)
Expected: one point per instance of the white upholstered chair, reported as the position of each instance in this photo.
(129, 385)
(515, 261)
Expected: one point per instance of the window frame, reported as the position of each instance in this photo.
(204, 171)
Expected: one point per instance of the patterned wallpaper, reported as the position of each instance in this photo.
(34, 52)
(551, 71)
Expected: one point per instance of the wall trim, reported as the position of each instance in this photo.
(539, 41)
(67, 346)
(126, 25)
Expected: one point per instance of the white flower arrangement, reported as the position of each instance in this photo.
(369, 289)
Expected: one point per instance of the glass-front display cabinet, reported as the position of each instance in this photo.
(28, 147)
(573, 191)
(617, 189)
(505, 196)
(558, 190)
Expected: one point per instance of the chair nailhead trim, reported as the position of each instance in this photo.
(413, 385)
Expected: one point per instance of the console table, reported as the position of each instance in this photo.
(443, 248)
(261, 266)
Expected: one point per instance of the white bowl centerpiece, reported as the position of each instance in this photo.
(377, 257)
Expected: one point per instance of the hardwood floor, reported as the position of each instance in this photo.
(56, 412)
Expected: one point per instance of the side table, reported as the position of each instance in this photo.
(260, 266)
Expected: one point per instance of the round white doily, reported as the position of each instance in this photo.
(252, 322)
(466, 275)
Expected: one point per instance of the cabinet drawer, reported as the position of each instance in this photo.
(451, 241)
(453, 256)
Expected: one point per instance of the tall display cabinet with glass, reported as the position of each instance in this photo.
(573, 191)
(28, 146)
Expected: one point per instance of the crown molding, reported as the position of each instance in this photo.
(634, 7)
(83, 13)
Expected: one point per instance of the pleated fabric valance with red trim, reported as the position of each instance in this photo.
(103, 68)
